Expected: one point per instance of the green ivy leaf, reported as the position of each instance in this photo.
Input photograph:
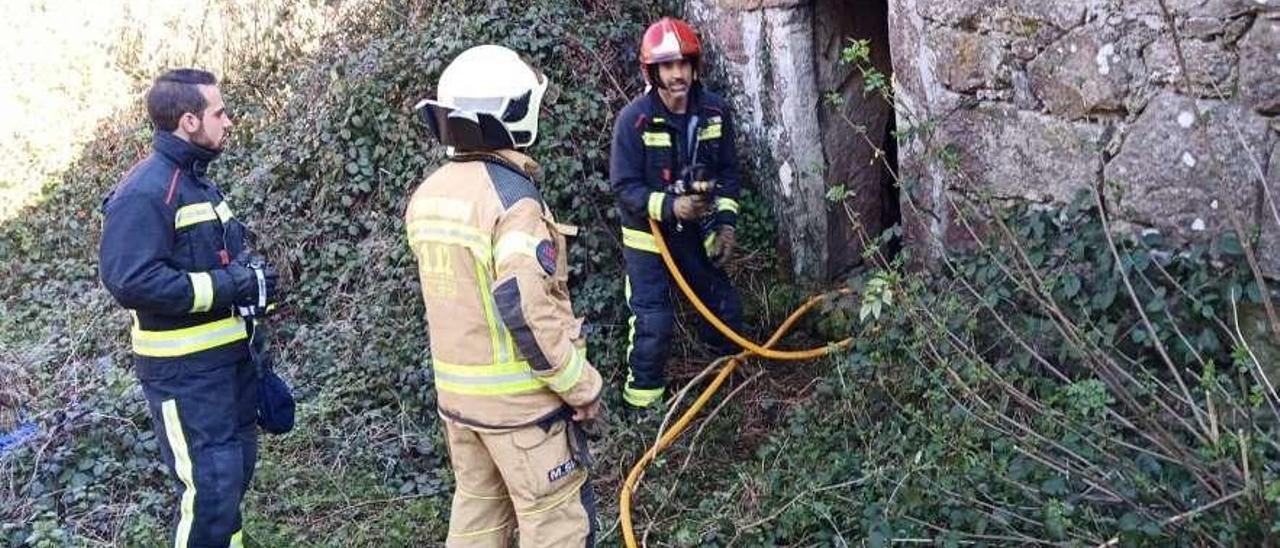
(1054, 486)
(1070, 285)
(1103, 298)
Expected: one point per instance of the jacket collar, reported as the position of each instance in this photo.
(522, 161)
(186, 155)
(510, 158)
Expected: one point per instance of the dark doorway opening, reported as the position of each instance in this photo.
(857, 129)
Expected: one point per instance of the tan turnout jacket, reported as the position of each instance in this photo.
(506, 349)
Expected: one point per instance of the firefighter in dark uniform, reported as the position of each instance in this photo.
(173, 254)
(674, 137)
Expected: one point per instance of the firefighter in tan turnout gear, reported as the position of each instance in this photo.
(510, 363)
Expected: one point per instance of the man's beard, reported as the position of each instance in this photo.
(201, 137)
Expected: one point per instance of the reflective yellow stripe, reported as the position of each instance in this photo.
(566, 378)
(237, 540)
(201, 291)
(513, 243)
(482, 532)
(191, 214)
(224, 212)
(497, 330)
(486, 380)
(655, 205)
(188, 340)
(182, 465)
(438, 207)
(480, 244)
(710, 132)
(637, 239)
(471, 495)
(726, 204)
(631, 336)
(570, 493)
(447, 232)
(641, 397)
(657, 139)
(631, 321)
(709, 242)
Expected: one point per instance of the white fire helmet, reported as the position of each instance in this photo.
(494, 80)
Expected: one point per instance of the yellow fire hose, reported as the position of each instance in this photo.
(751, 348)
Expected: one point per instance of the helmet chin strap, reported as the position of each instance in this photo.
(652, 72)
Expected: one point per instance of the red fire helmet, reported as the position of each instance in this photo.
(669, 39)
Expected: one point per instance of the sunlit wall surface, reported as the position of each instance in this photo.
(66, 65)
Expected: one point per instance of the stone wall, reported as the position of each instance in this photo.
(776, 60)
(1040, 99)
(763, 50)
(1020, 99)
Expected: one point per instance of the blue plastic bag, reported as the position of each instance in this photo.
(20, 435)
(275, 400)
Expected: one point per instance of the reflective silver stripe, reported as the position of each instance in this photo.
(655, 205)
(500, 337)
(477, 381)
(224, 212)
(188, 340)
(440, 208)
(513, 243)
(485, 380)
(636, 239)
(201, 291)
(191, 214)
(262, 287)
(446, 232)
(182, 464)
(658, 139)
(567, 378)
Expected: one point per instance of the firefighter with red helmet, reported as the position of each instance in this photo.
(673, 161)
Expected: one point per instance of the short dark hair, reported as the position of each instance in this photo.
(175, 93)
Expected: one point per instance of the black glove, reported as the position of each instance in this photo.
(691, 207)
(723, 245)
(257, 285)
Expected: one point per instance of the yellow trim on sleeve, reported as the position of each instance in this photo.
(655, 205)
(201, 291)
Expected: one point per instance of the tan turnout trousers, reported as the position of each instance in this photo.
(507, 354)
(527, 479)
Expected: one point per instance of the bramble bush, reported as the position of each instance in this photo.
(1038, 387)
(1018, 397)
(1050, 381)
(324, 153)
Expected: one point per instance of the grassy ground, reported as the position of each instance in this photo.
(323, 156)
(1023, 394)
